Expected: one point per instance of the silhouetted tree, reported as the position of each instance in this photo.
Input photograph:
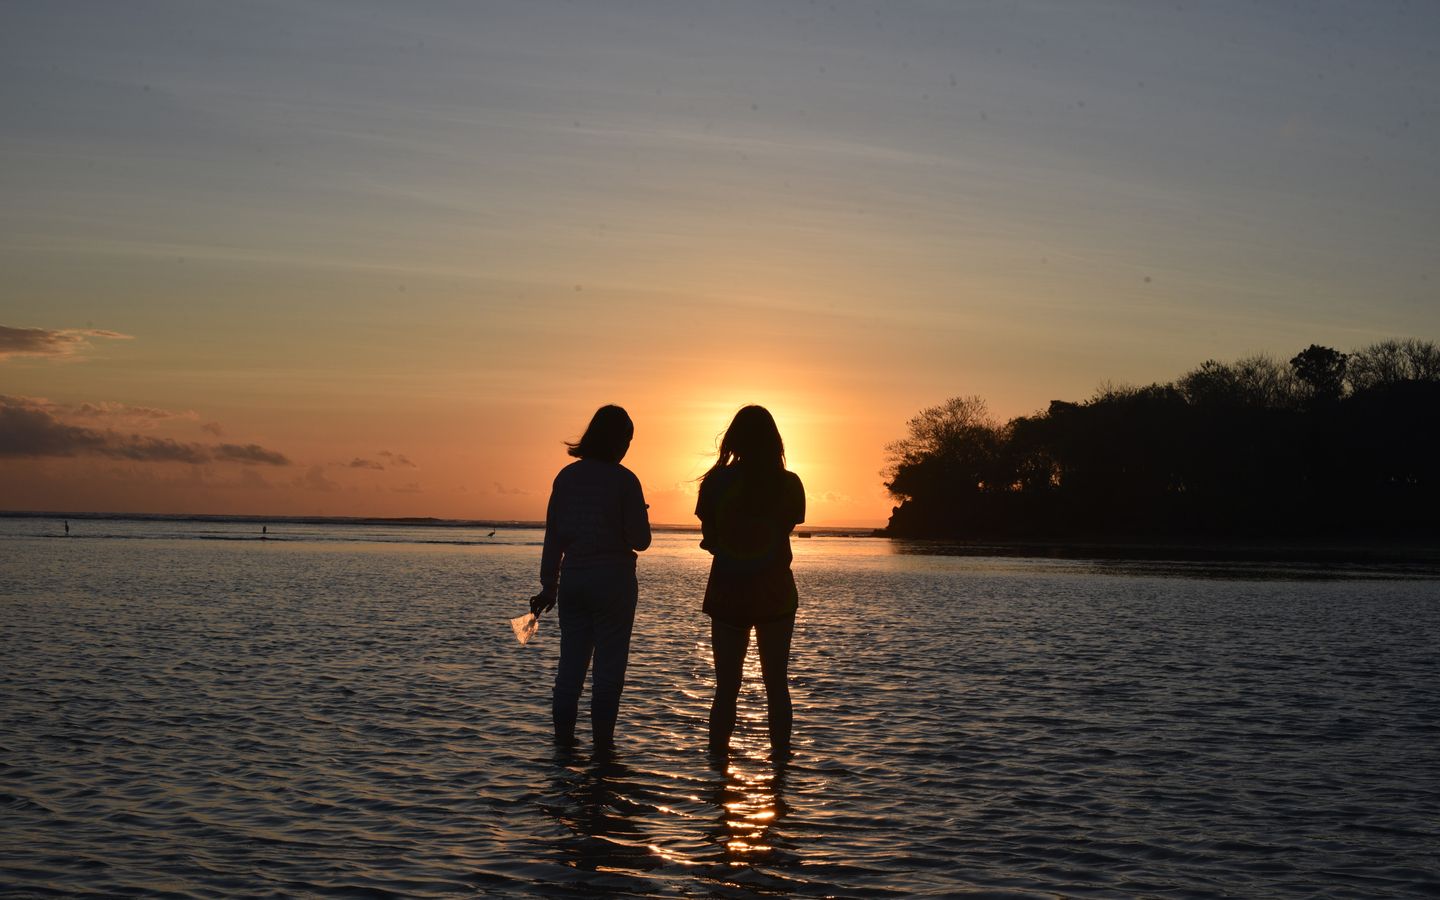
(949, 429)
(1391, 362)
(1323, 369)
(950, 455)
(1027, 451)
(1250, 447)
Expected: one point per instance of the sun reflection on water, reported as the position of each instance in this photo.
(751, 803)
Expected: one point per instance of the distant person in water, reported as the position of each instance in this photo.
(594, 524)
(748, 506)
(67, 527)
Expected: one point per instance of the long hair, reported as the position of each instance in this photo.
(606, 438)
(752, 439)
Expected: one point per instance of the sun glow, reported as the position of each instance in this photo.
(691, 420)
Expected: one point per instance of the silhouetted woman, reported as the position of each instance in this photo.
(595, 523)
(748, 506)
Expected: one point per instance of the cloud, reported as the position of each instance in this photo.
(358, 463)
(679, 488)
(249, 453)
(396, 459)
(30, 428)
(124, 414)
(52, 343)
(502, 489)
(108, 412)
(213, 428)
(314, 479)
(109, 408)
(251, 480)
(147, 449)
(412, 487)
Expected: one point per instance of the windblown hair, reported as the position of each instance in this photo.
(752, 439)
(607, 437)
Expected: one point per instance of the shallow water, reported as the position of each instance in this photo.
(190, 712)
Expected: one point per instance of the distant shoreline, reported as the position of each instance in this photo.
(294, 520)
(415, 521)
(1319, 551)
(273, 520)
(1335, 551)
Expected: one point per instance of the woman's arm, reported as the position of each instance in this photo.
(553, 551)
(794, 500)
(634, 515)
(707, 521)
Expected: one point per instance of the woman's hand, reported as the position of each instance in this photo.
(541, 602)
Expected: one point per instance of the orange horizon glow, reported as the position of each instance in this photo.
(464, 470)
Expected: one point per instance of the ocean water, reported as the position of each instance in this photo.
(343, 711)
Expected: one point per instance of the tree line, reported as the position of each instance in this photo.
(1329, 444)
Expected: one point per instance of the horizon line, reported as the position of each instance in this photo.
(358, 520)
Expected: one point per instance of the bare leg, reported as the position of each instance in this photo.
(773, 641)
(728, 644)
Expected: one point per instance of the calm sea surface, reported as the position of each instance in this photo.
(343, 711)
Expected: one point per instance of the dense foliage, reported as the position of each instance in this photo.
(1330, 444)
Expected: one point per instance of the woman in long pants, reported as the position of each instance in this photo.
(594, 524)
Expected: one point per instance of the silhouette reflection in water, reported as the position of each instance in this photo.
(593, 801)
(628, 830)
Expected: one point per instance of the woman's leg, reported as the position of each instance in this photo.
(773, 641)
(614, 621)
(728, 644)
(577, 642)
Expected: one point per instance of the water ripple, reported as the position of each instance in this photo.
(281, 719)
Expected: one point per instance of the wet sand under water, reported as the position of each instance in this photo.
(339, 716)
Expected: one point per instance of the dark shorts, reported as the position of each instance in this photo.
(749, 599)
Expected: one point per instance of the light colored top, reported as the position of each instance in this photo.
(596, 517)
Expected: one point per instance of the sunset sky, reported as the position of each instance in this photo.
(364, 258)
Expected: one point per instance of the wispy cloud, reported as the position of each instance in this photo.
(314, 479)
(31, 428)
(48, 342)
(109, 413)
(253, 454)
(124, 415)
(250, 480)
(359, 463)
(396, 459)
